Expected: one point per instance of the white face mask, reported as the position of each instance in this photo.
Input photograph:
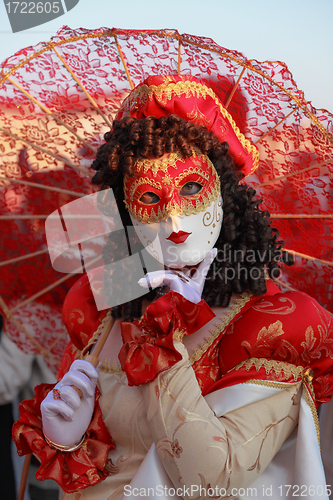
(182, 240)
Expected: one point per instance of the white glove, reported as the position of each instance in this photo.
(66, 418)
(190, 289)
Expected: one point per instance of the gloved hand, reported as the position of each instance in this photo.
(189, 288)
(65, 415)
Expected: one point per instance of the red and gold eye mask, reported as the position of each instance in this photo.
(172, 185)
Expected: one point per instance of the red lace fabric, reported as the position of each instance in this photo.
(72, 471)
(267, 107)
(149, 342)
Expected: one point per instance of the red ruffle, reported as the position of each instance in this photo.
(149, 342)
(75, 470)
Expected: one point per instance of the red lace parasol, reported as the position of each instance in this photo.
(58, 99)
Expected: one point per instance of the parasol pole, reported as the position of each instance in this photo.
(94, 360)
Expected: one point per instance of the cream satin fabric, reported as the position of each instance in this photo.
(298, 463)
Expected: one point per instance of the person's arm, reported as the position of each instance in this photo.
(15, 369)
(199, 449)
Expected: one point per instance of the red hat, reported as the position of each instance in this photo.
(193, 100)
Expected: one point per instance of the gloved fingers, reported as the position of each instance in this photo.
(85, 367)
(80, 380)
(154, 279)
(203, 268)
(70, 396)
(53, 407)
(158, 278)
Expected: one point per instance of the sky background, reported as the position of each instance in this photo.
(297, 32)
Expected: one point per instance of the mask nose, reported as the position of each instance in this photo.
(176, 222)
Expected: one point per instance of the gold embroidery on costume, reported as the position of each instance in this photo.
(325, 344)
(267, 429)
(197, 117)
(286, 308)
(271, 365)
(219, 327)
(265, 344)
(179, 335)
(108, 368)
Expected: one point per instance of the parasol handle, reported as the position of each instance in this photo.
(24, 476)
(93, 359)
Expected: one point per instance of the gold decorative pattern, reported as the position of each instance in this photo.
(197, 117)
(234, 309)
(278, 367)
(196, 170)
(142, 215)
(144, 165)
(113, 368)
(139, 182)
(179, 335)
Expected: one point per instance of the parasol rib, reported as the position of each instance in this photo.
(292, 174)
(124, 62)
(285, 285)
(39, 148)
(309, 257)
(301, 216)
(9, 315)
(42, 292)
(179, 53)
(23, 257)
(57, 340)
(49, 113)
(51, 287)
(41, 186)
(275, 126)
(91, 100)
(22, 217)
(234, 88)
(44, 216)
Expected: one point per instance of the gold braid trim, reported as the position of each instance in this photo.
(108, 368)
(313, 409)
(278, 367)
(219, 327)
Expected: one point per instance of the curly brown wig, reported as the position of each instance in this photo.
(248, 246)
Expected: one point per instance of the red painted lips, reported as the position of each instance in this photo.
(179, 237)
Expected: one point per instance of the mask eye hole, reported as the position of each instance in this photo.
(190, 188)
(149, 198)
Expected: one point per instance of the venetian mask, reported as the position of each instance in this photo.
(176, 207)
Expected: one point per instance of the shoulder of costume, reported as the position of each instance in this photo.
(80, 313)
(277, 338)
